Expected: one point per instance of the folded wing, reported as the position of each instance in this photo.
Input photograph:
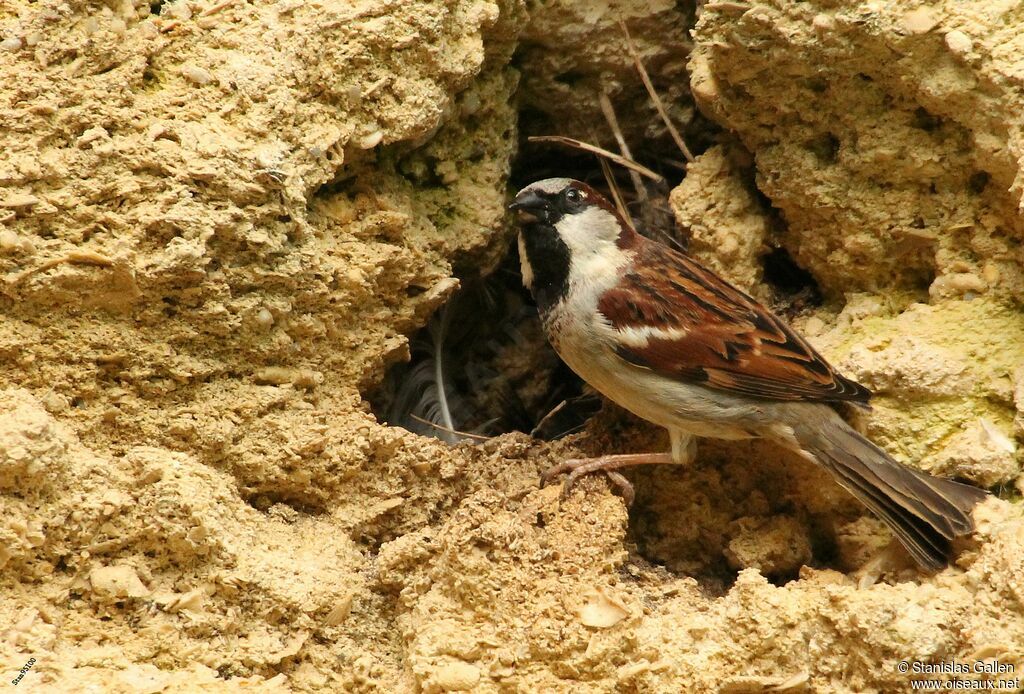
(685, 322)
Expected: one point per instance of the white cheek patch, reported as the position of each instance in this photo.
(593, 231)
(524, 264)
(591, 237)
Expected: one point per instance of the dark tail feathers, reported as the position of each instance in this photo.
(926, 513)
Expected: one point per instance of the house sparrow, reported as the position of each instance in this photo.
(664, 337)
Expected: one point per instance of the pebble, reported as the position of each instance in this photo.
(9, 241)
(177, 10)
(196, 75)
(339, 613)
(602, 611)
(966, 282)
(265, 318)
(958, 42)
(823, 22)
(19, 200)
(117, 582)
(280, 375)
(457, 677)
(991, 273)
(12, 45)
(919, 21)
(372, 140)
(470, 104)
(93, 134)
(814, 326)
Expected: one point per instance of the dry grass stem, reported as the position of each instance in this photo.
(680, 143)
(599, 151)
(620, 204)
(613, 122)
(441, 427)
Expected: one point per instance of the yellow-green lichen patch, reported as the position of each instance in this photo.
(937, 371)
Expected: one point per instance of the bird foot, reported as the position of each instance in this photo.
(609, 464)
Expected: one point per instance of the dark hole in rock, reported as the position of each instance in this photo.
(978, 181)
(570, 77)
(283, 504)
(925, 120)
(825, 148)
(482, 367)
(818, 85)
(782, 272)
(484, 354)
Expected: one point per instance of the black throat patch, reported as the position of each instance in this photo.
(548, 257)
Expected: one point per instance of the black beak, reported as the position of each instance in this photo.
(530, 207)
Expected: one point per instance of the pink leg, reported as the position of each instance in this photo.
(606, 463)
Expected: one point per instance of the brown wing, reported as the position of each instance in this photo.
(723, 338)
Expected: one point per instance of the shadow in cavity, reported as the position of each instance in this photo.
(743, 505)
(482, 367)
(284, 504)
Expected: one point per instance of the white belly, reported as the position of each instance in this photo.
(670, 403)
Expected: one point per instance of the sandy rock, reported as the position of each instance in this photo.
(728, 225)
(30, 446)
(889, 173)
(170, 181)
(1017, 378)
(221, 222)
(932, 380)
(982, 453)
(572, 51)
(117, 582)
(776, 546)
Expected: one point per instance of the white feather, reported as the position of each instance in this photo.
(641, 336)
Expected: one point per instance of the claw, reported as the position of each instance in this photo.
(624, 485)
(578, 468)
(607, 464)
(569, 483)
(556, 470)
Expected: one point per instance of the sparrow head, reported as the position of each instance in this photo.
(555, 200)
(568, 232)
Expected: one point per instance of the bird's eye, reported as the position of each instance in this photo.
(572, 195)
